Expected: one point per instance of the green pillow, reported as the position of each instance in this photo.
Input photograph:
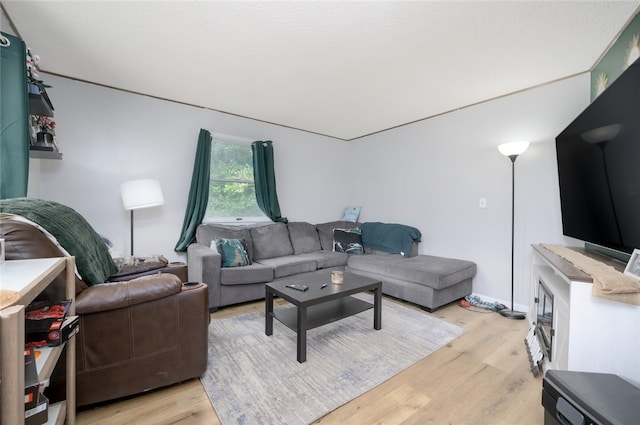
(233, 252)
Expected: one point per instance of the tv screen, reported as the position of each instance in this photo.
(598, 158)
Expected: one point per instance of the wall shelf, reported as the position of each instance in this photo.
(38, 105)
(40, 153)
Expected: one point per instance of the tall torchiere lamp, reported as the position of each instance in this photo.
(512, 150)
(137, 194)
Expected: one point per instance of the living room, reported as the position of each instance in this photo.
(430, 174)
(447, 162)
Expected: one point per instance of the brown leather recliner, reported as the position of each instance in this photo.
(135, 335)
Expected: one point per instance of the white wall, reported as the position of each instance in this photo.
(429, 174)
(432, 174)
(4, 24)
(109, 137)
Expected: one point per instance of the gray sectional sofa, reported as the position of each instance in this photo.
(290, 251)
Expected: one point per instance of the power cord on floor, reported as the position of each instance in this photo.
(465, 304)
(474, 301)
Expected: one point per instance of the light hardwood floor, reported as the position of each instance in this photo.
(482, 377)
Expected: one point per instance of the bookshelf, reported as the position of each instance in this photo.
(21, 282)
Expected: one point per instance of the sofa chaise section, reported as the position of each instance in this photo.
(425, 280)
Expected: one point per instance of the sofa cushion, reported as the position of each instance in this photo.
(348, 241)
(232, 251)
(253, 273)
(206, 233)
(327, 259)
(289, 265)
(304, 237)
(435, 272)
(325, 232)
(271, 240)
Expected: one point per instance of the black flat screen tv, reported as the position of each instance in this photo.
(598, 158)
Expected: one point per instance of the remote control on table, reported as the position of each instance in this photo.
(298, 287)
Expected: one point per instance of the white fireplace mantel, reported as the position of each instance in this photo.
(591, 334)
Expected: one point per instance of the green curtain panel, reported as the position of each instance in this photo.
(265, 180)
(199, 192)
(14, 118)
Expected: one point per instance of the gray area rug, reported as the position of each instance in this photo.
(252, 378)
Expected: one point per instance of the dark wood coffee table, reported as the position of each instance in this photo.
(318, 306)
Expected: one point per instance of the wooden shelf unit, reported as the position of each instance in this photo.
(27, 279)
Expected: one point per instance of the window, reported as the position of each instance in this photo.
(232, 195)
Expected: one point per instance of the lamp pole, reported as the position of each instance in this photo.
(132, 233)
(512, 150)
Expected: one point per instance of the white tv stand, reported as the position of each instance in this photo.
(591, 334)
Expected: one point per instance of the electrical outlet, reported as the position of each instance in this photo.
(482, 203)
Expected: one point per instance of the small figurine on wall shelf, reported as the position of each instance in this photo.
(46, 126)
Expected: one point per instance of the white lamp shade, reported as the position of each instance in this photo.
(513, 148)
(143, 193)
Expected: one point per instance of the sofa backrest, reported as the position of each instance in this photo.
(206, 233)
(304, 237)
(270, 241)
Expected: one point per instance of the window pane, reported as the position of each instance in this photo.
(231, 188)
(233, 200)
(231, 162)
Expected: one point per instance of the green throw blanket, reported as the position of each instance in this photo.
(389, 237)
(72, 231)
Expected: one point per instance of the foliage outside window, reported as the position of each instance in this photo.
(232, 195)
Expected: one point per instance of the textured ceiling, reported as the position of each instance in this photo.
(343, 69)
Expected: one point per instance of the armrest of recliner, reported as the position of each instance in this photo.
(179, 269)
(115, 295)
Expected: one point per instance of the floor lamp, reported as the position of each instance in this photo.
(512, 150)
(137, 194)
